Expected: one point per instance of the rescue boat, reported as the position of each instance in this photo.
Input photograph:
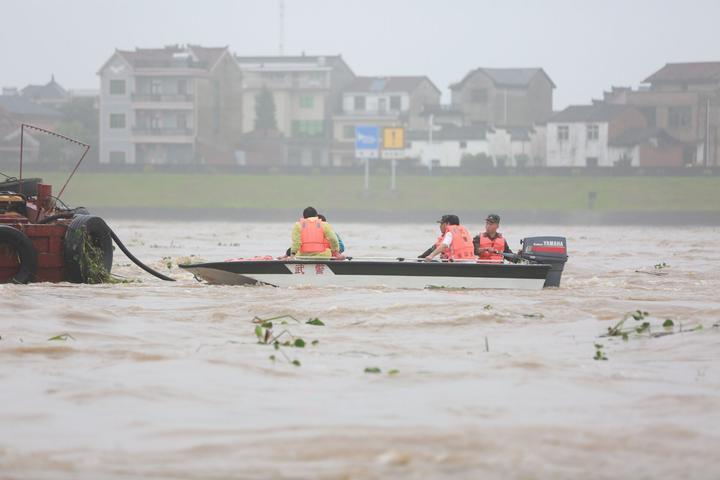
(539, 264)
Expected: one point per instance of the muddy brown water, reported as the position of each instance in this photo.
(167, 380)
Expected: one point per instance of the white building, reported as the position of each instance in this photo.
(580, 135)
(382, 102)
(176, 104)
(447, 147)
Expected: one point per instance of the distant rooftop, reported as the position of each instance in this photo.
(18, 105)
(50, 91)
(601, 112)
(451, 133)
(182, 56)
(505, 77)
(388, 84)
(686, 72)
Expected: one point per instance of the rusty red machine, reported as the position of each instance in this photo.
(43, 240)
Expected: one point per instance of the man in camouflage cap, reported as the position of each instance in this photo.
(490, 245)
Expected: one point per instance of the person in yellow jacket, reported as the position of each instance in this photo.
(310, 237)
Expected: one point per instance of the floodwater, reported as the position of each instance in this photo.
(167, 380)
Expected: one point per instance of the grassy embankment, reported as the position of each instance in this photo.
(415, 193)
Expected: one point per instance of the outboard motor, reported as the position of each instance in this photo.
(548, 250)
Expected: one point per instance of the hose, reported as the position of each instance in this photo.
(136, 261)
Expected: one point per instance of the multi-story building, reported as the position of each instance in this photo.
(305, 89)
(172, 105)
(504, 97)
(581, 135)
(306, 92)
(683, 99)
(382, 102)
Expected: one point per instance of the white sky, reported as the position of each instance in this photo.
(585, 46)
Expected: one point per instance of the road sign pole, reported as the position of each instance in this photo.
(392, 175)
(367, 175)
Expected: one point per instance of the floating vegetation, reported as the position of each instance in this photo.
(658, 270)
(378, 370)
(63, 337)
(644, 328)
(266, 335)
(599, 353)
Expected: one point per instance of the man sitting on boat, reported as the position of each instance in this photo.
(311, 237)
(454, 243)
(341, 244)
(490, 245)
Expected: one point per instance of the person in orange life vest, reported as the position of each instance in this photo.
(490, 245)
(310, 234)
(454, 243)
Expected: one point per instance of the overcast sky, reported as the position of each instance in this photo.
(585, 46)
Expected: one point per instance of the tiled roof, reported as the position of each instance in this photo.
(192, 56)
(288, 58)
(49, 91)
(602, 112)
(17, 105)
(636, 136)
(686, 72)
(387, 84)
(505, 77)
(450, 133)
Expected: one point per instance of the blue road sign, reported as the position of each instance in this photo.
(367, 141)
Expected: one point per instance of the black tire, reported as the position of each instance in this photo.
(27, 254)
(79, 265)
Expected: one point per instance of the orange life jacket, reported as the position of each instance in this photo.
(312, 236)
(497, 244)
(461, 247)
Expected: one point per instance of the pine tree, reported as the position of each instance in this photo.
(265, 111)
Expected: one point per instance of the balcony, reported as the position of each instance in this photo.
(163, 97)
(162, 131)
(145, 134)
(182, 101)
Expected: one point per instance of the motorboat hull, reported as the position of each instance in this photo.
(394, 274)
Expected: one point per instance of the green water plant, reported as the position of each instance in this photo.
(599, 353)
(265, 333)
(63, 337)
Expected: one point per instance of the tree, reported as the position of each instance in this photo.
(265, 111)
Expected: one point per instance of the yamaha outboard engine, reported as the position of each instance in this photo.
(548, 250)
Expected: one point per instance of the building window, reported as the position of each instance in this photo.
(679, 117)
(349, 131)
(479, 95)
(593, 132)
(117, 157)
(463, 144)
(563, 133)
(117, 120)
(117, 87)
(359, 102)
(307, 128)
(396, 102)
(591, 162)
(307, 101)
